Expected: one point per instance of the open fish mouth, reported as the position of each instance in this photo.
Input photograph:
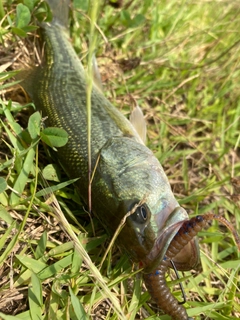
(162, 242)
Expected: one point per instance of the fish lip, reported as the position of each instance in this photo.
(162, 242)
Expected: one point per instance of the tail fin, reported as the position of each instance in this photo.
(60, 11)
(27, 79)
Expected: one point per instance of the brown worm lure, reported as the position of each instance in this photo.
(156, 282)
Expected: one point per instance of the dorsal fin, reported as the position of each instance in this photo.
(139, 123)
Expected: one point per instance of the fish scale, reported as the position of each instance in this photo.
(127, 174)
(62, 83)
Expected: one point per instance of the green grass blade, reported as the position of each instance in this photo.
(35, 298)
(77, 307)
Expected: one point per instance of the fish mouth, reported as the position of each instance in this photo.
(176, 219)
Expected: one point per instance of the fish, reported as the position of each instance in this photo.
(127, 180)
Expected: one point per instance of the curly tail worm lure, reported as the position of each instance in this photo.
(156, 282)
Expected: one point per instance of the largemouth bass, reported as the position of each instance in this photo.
(127, 173)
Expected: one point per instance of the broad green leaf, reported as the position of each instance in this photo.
(77, 307)
(30, 28)
(4, 199)
(61, 249)
(202, 307)
(3, 185)
(23, 278)
(35, 298)
(23, 16)
(92, 243)
(11, 244)
(125, 17)
(30, 3)
(54, 137)
(4, 238)
(5, 76)
(81, 4)
(8, 317)
(55, 268)
(2, 33)
(34, 125)
(129, 22)
(138, 20)
(133, 308)
(19, 32)
(2, 12)
(23, 316)
(41, 247)
(76, 262)
(53, 306)
(30, 263)
(11, 121)
(230, 264)
(18, 147)
(36, 284)
(51, 172)
(21, 181)
(4, 215)
(43, 13)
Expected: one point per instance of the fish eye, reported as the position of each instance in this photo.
(141, 214)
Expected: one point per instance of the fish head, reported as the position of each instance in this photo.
(150, 230)
(145, 205)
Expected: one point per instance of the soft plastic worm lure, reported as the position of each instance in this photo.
(156, 282)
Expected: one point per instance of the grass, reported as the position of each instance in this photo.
(180, 61)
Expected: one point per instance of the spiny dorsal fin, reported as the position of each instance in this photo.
(139, 123)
